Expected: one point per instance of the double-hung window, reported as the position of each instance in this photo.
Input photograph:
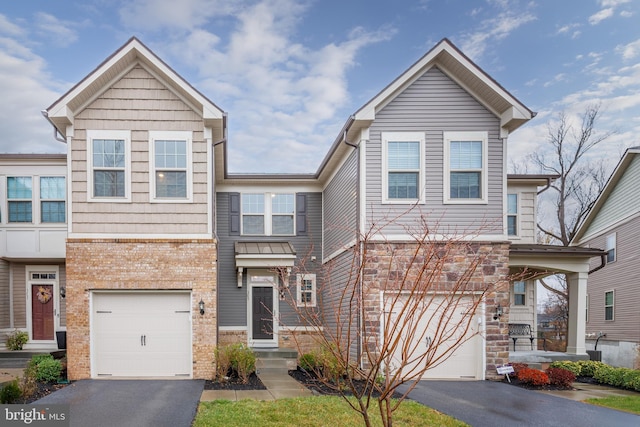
(519, 293)
(465, 167)
(52, 199)
(611, 247)
(608, 305)
(109, 165)
(306, 292)
(19, 193)
(512, 214)
(268, 214)
(171, 165)
(403, 172)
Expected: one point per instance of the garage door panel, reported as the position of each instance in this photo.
(142, 334)
(463, 362)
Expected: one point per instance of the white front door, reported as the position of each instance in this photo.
(263, 309)
(141, 334)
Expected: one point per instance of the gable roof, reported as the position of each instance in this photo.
(626, 205)
(133, 52)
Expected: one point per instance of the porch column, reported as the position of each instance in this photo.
(577, 283)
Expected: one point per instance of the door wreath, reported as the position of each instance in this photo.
(44, 294)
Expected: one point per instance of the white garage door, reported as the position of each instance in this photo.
(141, 334)
(466, 362)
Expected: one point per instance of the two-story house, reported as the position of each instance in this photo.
(613, 319)
(169, 254)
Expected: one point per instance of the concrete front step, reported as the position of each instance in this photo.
(275, 353)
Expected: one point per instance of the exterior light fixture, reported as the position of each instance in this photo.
(201, 306)
(63, 292)
(498, 312)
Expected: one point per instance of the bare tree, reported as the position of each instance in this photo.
(580, 181)
(400, 309)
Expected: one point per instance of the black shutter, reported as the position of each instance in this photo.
(301, 214)
(234, 214)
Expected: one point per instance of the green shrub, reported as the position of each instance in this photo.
(38, 358)
(10, 392)
(243, 362)
(235, 358)
(631, 380)
(308, 362)
(609, 375)
(331, 365)
(48, 370)
(568, 365)
(17, 339)
(561, 377)
(588, 367)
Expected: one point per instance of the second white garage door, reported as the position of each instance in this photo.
(141, 334)
(466, 362)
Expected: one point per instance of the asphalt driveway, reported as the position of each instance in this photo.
(135, 403)
(493, 404)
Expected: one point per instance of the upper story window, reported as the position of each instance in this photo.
(109, 166)
(171, 165)
(19, 193)
(611, 247)
(519, 293)
(608, 305)
(268, 214)
(52, 199)
(512, 214)
(403, 171)
(465, 179)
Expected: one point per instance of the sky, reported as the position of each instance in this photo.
(289, 73)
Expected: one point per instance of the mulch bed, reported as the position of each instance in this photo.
(234, 383)
(313, 383)
(42, 390)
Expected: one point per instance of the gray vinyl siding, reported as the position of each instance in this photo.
(138, 102)
(621, 276)
(62, 283)
(340, 206)
(434, 104)
(232, 301)
(18, 273)
(340, 273)
(622, 202)
(527, 224)
(5, 295)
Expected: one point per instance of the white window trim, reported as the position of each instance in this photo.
(34, 205)
(518, 293)
(517, 215)
(63, 199)
(314, 290)
(267, 214)
(614, 247)
(170, 135)
(109, 134)
(387, 137)
(484, 187)
(613, 306)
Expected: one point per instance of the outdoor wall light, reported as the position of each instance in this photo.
(201, 306)
(63, 292)
(498, 312)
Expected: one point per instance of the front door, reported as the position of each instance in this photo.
(264, 308)
(42, 320)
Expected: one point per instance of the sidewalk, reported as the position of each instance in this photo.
(279, 386)
(585, 391)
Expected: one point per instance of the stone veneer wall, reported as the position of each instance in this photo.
(127, 264)
(492, 273)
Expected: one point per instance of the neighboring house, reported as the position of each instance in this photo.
(613, 294)
(168, 254)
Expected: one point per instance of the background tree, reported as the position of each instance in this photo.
(431, 289)
(580, 179)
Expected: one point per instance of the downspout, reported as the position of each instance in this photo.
(603, 262)
(56, 133)
(546, 187)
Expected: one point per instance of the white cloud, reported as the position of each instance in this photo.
(613, 3)
(600, 16)
(23, 84)
(630, 50)
(60, 32)
(626, 14)
(570, 29)
(9, 28)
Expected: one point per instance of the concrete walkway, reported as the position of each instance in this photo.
(279, 386)
(585, 391)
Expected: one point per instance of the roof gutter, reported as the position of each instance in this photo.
(546, 187)
(56, 132)
(603, 262)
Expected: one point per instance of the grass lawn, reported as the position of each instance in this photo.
(622, 403)
(309, 411)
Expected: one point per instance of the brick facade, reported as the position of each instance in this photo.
(140, 264)
(387, 264)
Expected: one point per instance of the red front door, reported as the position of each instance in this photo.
(42, 312)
